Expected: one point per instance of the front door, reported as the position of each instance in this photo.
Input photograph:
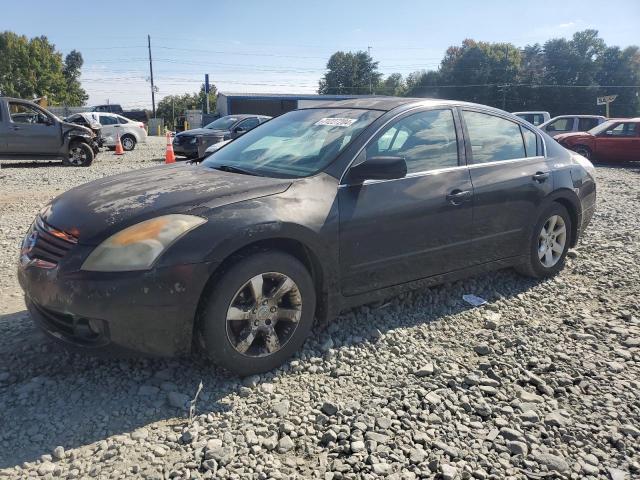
(396, 231)
(110, 128)
(510, 178)
(620, 143)
(32, 131)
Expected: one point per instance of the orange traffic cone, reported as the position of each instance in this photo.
(169, 157)
(119, 149)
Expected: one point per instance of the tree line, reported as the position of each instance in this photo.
(33, 68)
(563, 76)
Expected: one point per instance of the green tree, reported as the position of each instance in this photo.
(350, 73)
(172, 106)
(392, 85)
(33, 68)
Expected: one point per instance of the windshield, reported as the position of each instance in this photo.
(296, 144)
(603, 127)
(223, 123)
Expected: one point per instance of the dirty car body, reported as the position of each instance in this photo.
(361, 236)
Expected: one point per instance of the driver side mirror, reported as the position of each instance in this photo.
(239, 130)
(378, 168)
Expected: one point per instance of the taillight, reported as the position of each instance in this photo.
(141, 125)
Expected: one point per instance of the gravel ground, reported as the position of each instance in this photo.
(542, 382)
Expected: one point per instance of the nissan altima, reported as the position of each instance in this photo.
(313, 212)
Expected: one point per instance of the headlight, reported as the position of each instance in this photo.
(138, 246)
(193, 141)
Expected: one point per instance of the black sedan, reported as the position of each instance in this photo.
(194, 143)
(313, 212)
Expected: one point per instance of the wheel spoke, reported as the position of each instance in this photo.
(243, 345)
(561, 230)
(291, 314)
(286, 285)
(557, 247)
(271, 341)
(552, 224)
(256, 285)
(548, 258)
(235, 313)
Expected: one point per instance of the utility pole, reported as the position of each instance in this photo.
(370, 73)
(153, 88)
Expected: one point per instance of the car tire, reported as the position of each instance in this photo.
(128, 142)
(548, 244)
(582, 150)
(258, 313)
(80, 155)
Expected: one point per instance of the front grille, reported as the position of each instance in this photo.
(45, 246)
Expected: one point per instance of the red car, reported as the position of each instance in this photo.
(613, 141)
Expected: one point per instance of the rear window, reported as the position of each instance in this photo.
(585, 124)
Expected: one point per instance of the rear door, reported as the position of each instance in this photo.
(560, 125)
(396, 231)
(587, 123)
(619, 143)
(510, 178)
(32, 131)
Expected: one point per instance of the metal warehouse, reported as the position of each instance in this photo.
(272, 104)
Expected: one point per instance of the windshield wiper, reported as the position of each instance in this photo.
(233, 169)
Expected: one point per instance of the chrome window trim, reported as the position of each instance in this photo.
(436, 171)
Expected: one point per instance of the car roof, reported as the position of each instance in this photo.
(387, 104)
(579, 115)
(531, 111)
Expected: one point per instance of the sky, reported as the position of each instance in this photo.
(282, 46)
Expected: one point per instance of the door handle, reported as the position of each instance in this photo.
(540, 176)
(456, 197)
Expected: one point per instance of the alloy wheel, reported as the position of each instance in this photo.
(127, 143)
(77, 156)
(552, 240)
(264, 314)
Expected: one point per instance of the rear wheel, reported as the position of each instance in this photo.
(549, 243)
(80, 155)
(128, 142)
(584, 151)
(258, 313)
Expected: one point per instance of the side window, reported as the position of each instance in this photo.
(248, 124)
(530, 142)
(537, 119)
(561, 125)
(585, 124)
(21, 113)
(426, 140)
(624, 130)
(493, 138)
(123, 120)
(107, 120)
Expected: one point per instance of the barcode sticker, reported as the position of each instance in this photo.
(336, 122)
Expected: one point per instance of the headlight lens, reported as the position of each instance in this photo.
(194, 140)
(138, 246)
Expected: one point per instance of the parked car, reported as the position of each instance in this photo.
(139, 115)
(571, 123)
(611, 141)
(194, 143)
(534, 118)
(88, 120)
(317, 210)
(131, 132)
(28, 131)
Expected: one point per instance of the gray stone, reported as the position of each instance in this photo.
(285, 444)
(482, 349)
(58, 453)
(329, 408)
(178, 400)
(281, 408)
(425, 371)
(448, 472)
(553, 462)
(357, 446)
(518, 448)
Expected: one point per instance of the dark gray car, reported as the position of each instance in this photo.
(194, 143)
(30, 132)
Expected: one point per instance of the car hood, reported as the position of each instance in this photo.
(564, 136)
(203, 131)
(68, 126)
(97, 209)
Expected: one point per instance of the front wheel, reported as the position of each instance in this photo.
(258, 313)
(80, 155)
(549, 243)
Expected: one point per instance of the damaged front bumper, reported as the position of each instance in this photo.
(150, 312)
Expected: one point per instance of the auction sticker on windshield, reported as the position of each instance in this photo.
(336, 122)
